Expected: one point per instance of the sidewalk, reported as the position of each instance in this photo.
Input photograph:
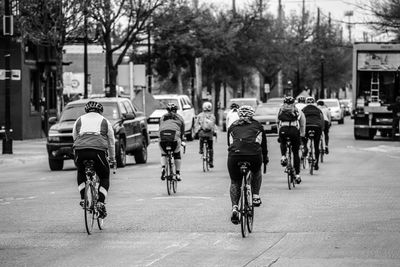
(23, 151)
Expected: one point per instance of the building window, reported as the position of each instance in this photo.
(34, 92)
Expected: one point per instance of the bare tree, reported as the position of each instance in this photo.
(122, 25)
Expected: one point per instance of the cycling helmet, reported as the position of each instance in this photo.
(246, 111)
(320, 103)
(310, 100)
(93, 106)
(207, 106)
(301, 99)
(234, 106)
(171, 107)
(288, 100)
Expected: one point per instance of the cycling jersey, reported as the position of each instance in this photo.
(93, 131)
(247, 137)
(313, 116)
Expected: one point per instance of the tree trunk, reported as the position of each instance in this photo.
(179, 88)
(217, 85)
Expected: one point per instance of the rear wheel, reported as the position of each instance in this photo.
(250, 211)
(89, 208)
(243, 215)
(56, 164)
(168, 178)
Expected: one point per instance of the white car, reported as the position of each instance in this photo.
(337, 112)
(185, 109)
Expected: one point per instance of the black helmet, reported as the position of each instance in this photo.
(234, 106)
(288, 100)
(93, 106)
(171, 107)
(310, 100)
(301, 99)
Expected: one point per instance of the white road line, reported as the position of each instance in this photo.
(184, 197)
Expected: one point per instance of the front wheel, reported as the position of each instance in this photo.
(120, 153)
(250, 211)
(56, 164)
(141, 155)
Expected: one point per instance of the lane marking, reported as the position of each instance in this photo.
(184, 197)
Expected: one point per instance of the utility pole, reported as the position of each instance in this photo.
(7, 139)
(85, 54)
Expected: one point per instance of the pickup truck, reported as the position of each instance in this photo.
(130, 129)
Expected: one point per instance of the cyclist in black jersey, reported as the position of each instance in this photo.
(247, 142)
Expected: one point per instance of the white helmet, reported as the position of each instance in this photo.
(207, 106)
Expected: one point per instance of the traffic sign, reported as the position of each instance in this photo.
(16, 75)
(2, 74)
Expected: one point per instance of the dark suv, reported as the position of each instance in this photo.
(130, 129)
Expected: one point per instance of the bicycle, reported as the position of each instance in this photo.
(322, 147)
(170, 175)
(92, 184)
(206, 156)
(289, 170)
(310, 156)
(246, 208)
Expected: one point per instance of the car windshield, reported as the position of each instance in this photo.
(163, 102)
(331, 104)
(73, 112)
(242, 102)
(271, 109)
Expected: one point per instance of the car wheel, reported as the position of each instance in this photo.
(56, 164)
(120, 153)
(141, 155)
(341, 121)
(190, 136)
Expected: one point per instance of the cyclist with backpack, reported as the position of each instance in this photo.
(291, 124)
(206, 129)
(314, 121)
(247, 142)
(172, 128)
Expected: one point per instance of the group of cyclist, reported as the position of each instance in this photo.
(94, 139)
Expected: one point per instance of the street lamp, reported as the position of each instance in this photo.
(322, 92)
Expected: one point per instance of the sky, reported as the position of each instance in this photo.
(337, 8)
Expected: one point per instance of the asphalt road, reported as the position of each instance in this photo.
(347, 214)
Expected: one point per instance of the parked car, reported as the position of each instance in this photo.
(254, 102)
(347, 105)
(337, 112)
(129, 124)
(267, 115)
(185, 109)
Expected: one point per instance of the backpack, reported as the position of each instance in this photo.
(207, 123)
(288, 113)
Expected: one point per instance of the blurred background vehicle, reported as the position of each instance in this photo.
(337, 112)
(347, 105)
(267, 115)
(185, 109)
(254, 102)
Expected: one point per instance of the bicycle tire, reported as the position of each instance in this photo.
(311, 160)
(242, 208)
(100, 221)
(289, 182)
(249, 210)
(174, 186)
(321, 152)
(168, 177)
(289, 167)
(88, 208)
